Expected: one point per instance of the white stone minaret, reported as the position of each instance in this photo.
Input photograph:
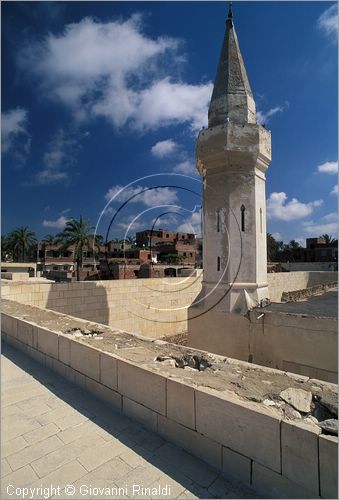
(232, 157)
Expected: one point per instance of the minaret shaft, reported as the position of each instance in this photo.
(232, 156)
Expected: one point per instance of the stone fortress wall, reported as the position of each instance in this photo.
(247, 440)
(157, 307)
(152, 307)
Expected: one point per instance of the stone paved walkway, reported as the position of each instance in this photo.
(55, 434)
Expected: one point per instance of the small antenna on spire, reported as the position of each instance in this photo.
(230, 14)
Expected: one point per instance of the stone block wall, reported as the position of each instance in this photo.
(299, 280)
(152, 307)
(280, 459)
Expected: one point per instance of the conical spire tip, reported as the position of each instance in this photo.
(230, 13)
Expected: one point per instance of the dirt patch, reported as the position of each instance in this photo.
(179, 339)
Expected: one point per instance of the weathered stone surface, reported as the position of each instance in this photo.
(299, 454)
(330, 426)
(291, 413)
(180, 403)
(328, 466)
(255, 434)
(272, 485)
(298, 398)
(330, 401)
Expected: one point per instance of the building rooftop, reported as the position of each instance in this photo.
(321, 306)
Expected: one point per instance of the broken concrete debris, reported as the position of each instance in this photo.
(329, 426)
(194, 361)
(298, 398)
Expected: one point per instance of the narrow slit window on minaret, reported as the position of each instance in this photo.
(218, 221)
(218, 264)
(260, 220)
(243, 209)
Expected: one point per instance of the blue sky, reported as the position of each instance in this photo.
(101, 95)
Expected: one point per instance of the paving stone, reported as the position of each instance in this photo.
(93, 458)
(33, 407)
(70, 421)
(112, 470)
(22, 424)
(46, 465)
(12, 446)
(41, 433)
(135, 457)
(21, 477)
(34, 452)
(5, 468)
(72, 433)
(144, 457)
(64, 475)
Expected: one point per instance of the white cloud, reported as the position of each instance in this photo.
(328, 22)
(59, 223)
(277, 236)
(327, 225)
(334, 190)
(264, 117)
(14, 132)
(279, 208)
(185, 167)
(114, 70)
(142, 194)
(61, 154)
(329, 167)
(164, 148)
(192, 224)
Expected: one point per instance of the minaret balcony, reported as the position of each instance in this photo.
(233, 145)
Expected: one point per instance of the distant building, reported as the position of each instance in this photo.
(317, 250)
(170, 246)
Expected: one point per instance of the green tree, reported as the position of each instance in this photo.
(78, 233)
(50, 239)
(274, 248)
(329, 240)
(20, 241)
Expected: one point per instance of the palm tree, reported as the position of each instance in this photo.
(49, 239)
(20, 241)
(78, 233)
(329, 240)
(130, 240)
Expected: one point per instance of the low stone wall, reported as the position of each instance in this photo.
(151, 307)
(295, 342)
(299, 280)
(309, 266)
(244, 439)
(298, 295)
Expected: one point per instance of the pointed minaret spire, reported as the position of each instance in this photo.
(232, 98)
(230, 13)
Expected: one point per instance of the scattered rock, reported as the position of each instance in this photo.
(191, 361)
(269, 402)
(298, 398)
(312, 419)
(77, 333)
(290, 413)
(330, 401)
(330, 426)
